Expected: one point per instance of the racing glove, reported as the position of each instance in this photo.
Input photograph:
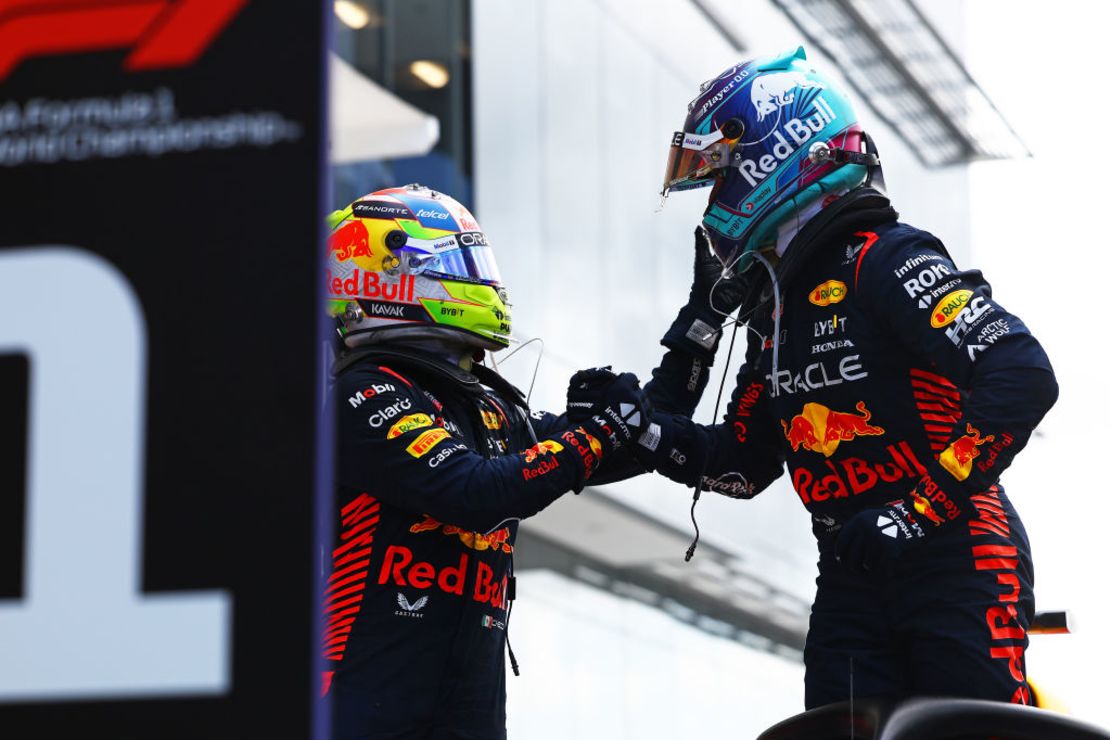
(713, 297)
(608, 406)
(874, 539)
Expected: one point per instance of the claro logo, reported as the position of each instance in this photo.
(159, 33)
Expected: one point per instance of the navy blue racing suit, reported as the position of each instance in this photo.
(433, 474)
(900, 381)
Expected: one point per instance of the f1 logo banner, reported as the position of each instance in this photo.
(161, 173)
(161, 33)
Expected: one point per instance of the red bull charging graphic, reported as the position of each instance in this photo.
(497, 540)
(958, 457)
(820, 429)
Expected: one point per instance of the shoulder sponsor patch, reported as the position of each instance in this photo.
(426, 441)
(490, 419)
(828, 292)
(949, 307)
(408, 423)
(367, 393)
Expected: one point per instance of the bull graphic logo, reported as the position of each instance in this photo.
(820, 429)
(773, 91)
(957, 458)
(496, 540)
(541, 448)
(924, 507)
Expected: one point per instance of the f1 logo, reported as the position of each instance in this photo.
(160, 33)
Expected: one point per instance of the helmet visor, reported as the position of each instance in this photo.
(695, 160)
(464, 256)
(469, 263)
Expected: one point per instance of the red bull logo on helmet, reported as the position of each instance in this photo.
(957, 458)
(371, 285)
(820, 429)
(772, 91)
(352, 240)
(798, 132)
(496, 540)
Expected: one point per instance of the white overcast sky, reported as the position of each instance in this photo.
(1039, 233)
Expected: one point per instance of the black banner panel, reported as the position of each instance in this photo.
(160, 185)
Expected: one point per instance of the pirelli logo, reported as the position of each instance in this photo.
(159, 34)
(426, 441)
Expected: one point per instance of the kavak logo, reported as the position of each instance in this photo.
(159, 33)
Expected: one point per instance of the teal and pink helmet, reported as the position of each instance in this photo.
(771, 135)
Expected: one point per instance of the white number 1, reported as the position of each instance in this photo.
(83, 628)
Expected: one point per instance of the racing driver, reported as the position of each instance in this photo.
(438, 459)
(890, 382)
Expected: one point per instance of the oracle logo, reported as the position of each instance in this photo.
(159, 33)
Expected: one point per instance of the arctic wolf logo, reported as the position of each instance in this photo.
(771, 92)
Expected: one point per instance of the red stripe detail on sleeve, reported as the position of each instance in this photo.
(871, 238)
(386, 370)
(347, 583)
(932, 378)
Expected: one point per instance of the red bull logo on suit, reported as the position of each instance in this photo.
(496, 540)
(820, 429)
(957, 458)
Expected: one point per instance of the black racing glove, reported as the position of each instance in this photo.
(712, 299)
(610, 407)
(874, 539)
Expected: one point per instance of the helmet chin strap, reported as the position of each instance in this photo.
(456, 353)
(429, 340)
(821, 153)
